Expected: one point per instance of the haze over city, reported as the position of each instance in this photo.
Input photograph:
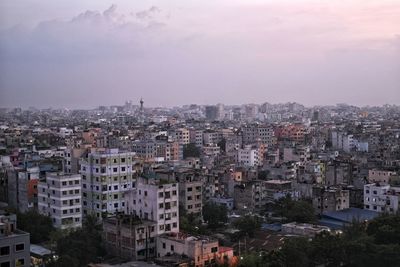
(80, 54)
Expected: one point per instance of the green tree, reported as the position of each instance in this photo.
(191, 150)
(84, 245)
(38, 225)
(248, 225)
(215, 215)
(298, 211)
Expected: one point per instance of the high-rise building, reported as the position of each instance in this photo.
(60, 198)
(105, 177)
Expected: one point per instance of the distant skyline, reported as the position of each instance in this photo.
(83, 54)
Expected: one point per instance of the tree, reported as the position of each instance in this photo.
(298, 211)
(38, 225)
(248, 225)
(215, 215)
(84, 245)
(222, 144)
(191, 150)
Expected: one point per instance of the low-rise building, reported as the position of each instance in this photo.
(201, 250)
(303, 229)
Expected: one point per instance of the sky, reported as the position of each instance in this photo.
(82, 54)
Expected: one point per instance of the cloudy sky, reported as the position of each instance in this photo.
(84, 53)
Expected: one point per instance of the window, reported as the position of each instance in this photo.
(214, 249)
(65, 211)
(161, 205)
(189, 189)
(161, 216)
(64, 183)
(5, 264)
(20, 262)
(4, 251)
(174, 225)
(163, 245)
(122, 169)
(174, 192)
(172, 248)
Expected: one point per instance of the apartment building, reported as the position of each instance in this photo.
(60, 198)
(380, 176)
(182, 136)
(258, 133)
(191, 197)
(155, 200)
(381, 198)
(14, 243)
(106, 176)
(249, 157)
(22, 187)
(330, 199)
(129, 237)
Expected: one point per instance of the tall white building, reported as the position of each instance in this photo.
(106, 176)
(60, 198)
(155, 200)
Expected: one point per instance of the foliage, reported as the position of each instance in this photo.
(39, 226)
(298, 211)
(262, 175)
(215, 215)
(82, 246)
(191, 150)
(188, 223)
(222, 145)
(248, 225)
(375, 243)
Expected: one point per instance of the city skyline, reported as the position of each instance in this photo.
(89, 54)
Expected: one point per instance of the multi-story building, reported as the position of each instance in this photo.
(249, 157)
(191, 197)
(380, 176)
(14, 243)
(201, 250)
(381, 198)
(22, 188)
(258, 133)
(330, 199)
(60, 198)
(130, 238)
(181, 135)
(155, 200)
(106, 176)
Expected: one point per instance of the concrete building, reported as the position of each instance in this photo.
(249, 157)
(106, 176)
(155, 200)
(130, 238)
(330, 199)
(380, 176)
(14, 243)
(228, 202)
(60, 198)
(191, 197)
(22, 188)
(258, 133)
(202, 250)
(381, 198)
